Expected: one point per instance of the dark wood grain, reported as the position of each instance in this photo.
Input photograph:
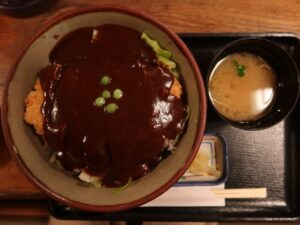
(180, 15)
(22, 209)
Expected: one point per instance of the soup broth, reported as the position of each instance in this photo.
(242, 87)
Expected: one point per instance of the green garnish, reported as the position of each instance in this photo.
(169, 63)
(117, 94)
(106, 94)
(175, 73)
(163, 56)
(239, 68)
(105, 80)
(99, 102)
(156, 47)
(111, 108)
(120, 189)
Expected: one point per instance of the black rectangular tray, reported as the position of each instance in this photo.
(267, 158)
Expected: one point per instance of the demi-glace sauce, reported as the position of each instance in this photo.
(128, 143)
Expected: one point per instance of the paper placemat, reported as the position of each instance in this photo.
(188, 196)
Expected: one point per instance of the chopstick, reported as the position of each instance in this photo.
(240, 193)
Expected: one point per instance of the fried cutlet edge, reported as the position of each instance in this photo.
(33, 108)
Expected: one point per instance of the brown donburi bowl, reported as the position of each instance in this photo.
(28, 150)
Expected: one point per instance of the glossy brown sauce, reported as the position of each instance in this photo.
(123, 145)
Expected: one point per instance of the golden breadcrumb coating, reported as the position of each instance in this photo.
(33, 105)
(176, 88)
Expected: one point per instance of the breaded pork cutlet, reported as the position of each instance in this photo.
(33, 105)
(34, 101)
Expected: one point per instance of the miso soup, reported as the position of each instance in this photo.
(242, 87)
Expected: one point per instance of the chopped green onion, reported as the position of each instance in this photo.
(99, 102)
(111, 108)
(106, 94)
(239, 68)
(105, 80)
(118, 93)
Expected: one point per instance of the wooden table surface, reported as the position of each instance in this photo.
(180, 15)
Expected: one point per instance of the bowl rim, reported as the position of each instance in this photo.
(200, 126)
